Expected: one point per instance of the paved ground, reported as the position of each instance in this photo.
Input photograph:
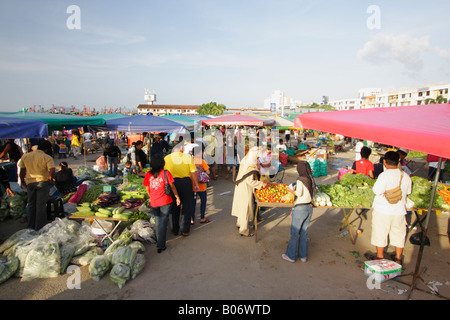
(214, 262)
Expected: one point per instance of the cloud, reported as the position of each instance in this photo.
(443, 53)
(404, 49)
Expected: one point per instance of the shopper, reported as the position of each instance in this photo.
(160, 202)
(301, 214)
(112, 155)
(37, 169)
(184, 172)
(247, 181)
(388, 219)
(201, 165)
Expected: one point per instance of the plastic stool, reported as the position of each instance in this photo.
(55, 208)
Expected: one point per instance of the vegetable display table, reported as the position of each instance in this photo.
(261, 204)
(95, 218)
(348, 211)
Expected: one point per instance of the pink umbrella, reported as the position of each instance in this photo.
(423, 128)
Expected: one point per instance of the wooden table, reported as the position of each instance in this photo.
(261, 204)
(348, 211)
(95, 218)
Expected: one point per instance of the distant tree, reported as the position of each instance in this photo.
(211, 108)
(439, 99)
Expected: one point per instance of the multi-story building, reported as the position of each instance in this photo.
(346, 104)
(161, 109)
(375, 98)
(278, 102)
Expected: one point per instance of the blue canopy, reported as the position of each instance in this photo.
(14, 128)
(144, 123)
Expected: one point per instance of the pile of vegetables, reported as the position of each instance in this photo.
(353, 190)
(321, 199)
(123, 258)
(13, 206)
(274, 192)
(47, 253)
(421, 194)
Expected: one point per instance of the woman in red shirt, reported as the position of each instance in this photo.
(159, 201)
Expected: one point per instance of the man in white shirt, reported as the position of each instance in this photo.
(388, 220)
(87, 141)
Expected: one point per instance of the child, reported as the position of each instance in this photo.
(62, 150)
(129, 168)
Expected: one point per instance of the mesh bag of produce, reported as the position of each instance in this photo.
(98, 267)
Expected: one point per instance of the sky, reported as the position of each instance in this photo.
(236, 53)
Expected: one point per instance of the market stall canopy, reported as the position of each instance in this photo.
(14, 128)
(424, 128)
(104, 117)
(57, 121)
(188, 123)
(280, 122)
(144, 123)
(238, 120)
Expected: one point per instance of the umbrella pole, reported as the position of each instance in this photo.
(416, 274)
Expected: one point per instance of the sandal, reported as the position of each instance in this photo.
(396, 260)
(370, 256)
(206, 220)
(247, 235)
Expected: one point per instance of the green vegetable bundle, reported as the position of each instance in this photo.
(138, 265)
(125, 255)
(120, 274)
(353, 190)
(8, 266)
(421, 194)
(98, 267)
(92, 193)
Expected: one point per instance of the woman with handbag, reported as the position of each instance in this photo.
(160, 198)
(203, 179)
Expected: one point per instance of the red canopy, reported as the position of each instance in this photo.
(238, 120)
(424, 128)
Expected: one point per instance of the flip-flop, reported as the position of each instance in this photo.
(247, 235)
(205, 220)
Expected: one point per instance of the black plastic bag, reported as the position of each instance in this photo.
(416, 239)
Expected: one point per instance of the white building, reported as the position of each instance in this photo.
(375, 98)
(278, 102)
(346, 104)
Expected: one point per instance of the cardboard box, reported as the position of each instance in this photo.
(383, 269)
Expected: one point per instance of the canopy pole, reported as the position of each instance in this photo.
(425, 230)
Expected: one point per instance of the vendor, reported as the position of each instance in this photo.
(141, 157)
(4, 184)
(12, 150)
(64, 179)
(364, 166)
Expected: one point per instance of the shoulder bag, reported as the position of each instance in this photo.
(202, 175)
(167, 188)
(394, 195)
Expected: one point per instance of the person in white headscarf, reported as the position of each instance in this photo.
(247, 180)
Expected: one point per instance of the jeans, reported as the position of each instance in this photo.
(37, 204)
(298, 243)
(112, 166)
(184, 189)
(202, 195)
(161, 219)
